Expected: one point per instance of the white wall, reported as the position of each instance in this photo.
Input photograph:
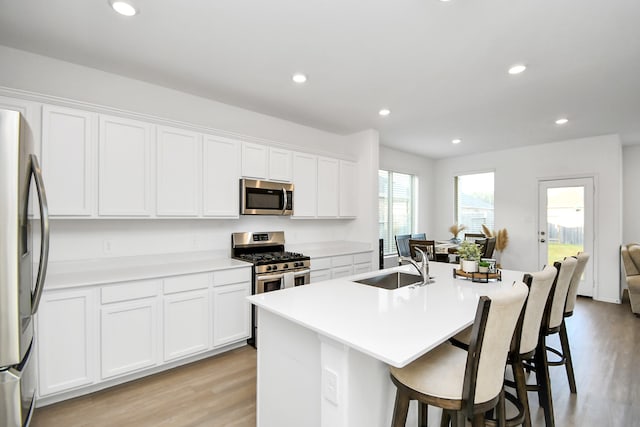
(37, 78)
(517, 172)
(631, 192)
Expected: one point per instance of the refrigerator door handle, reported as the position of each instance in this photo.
(44, 233)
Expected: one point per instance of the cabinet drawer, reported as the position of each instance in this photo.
(339, 261)
(339, 272)
(361, 258)
(320, 276)
(129, 291)
(189, 282)
(320, 263)
(235, 275)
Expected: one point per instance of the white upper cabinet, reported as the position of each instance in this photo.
(305, 179)
(177, 172)
(280, 164)
(254, 160)
(221, 172)
(124, 171)
(67, 160)
(348, 189)
(328, 187)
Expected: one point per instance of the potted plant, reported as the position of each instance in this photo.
(469, 255)
(483, 266)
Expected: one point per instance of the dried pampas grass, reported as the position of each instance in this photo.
(502, 237)
(455, 229)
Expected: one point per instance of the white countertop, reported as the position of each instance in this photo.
(66, 274)
(327, 249)
(394, 326)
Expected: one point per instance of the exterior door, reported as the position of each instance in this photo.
(566, 221)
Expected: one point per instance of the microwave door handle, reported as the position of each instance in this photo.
(284, 204)
(44, 233)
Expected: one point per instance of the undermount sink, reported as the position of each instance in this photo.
(393, 280)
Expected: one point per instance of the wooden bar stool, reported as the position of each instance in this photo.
(572, 294)
(460, 382)
(525, 340)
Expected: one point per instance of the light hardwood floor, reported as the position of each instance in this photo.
(220, 391)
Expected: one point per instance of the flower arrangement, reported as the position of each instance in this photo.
(455, 229)
(469, 251)
(502, 239)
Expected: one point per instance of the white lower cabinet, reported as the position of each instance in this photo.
(336, 267)
(231, 313)
(186, 323)
(129, 331)
(67, 355)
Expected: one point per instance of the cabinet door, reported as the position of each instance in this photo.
(231, 313)
(124, 184)
(67, 160)
(305, 178)
(320, 275)
(177, 172)
(279, 164)
(186, 323)
(221, 166)
(362, 268)
(328, 187)
(254, 160)
(67, 327)
(338, 272)
(128, 333)
(348, 186)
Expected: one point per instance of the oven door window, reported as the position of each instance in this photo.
(267, 285)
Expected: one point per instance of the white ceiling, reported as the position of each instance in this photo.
(441, 67)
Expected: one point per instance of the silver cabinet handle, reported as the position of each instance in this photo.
(44, 233)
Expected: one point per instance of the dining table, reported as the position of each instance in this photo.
(324, 349)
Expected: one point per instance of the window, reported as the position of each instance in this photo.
(474, 201)
(396, 206)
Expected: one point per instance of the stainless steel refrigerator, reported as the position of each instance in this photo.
(21, 282)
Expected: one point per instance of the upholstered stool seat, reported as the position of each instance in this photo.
(468, 383)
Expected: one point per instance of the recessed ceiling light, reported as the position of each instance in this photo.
(456, 141)
(123, 8)
(299, 78)
(384, 112)
(517, 69)
(562, 121)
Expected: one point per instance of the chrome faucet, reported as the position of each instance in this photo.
(423, 268)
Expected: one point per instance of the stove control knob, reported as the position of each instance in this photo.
(285, 266)
(297, 264)
(268, 268)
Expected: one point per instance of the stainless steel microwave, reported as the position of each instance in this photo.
(265, 197)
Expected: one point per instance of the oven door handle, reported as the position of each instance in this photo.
(302, 272)
(269, 277)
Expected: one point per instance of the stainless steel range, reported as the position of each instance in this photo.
(273, 267)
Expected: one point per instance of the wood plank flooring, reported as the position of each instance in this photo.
(220, 391)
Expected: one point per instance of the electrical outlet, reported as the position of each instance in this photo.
(106, 246)
(330, 385)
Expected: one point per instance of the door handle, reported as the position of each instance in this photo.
(44, 234)
(542, 240)
(284, 200)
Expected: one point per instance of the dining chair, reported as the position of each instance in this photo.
(525, 340)
(419, 236)
(402, 245)
(427, 246)
(489, 247)
(474, 236)
(565, 353)
(468, 383)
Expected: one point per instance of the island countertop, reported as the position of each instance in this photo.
(394, 326)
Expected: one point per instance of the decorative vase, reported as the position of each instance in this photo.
(483, 269)
(455, 240)
(469, 266)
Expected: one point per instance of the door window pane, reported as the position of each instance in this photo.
(565, 222)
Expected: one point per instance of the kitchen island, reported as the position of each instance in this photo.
(324, 349)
